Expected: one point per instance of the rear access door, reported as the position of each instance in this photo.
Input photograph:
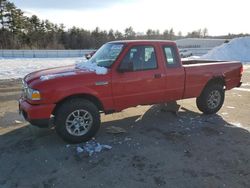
(175, 73)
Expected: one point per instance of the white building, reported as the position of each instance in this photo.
(198, 46)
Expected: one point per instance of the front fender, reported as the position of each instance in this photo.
(62, 94)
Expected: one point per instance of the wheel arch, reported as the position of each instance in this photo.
(215, 80)
(88, 97)
(202, 100)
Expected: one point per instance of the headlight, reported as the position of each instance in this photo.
(30, 93)
(33, 94)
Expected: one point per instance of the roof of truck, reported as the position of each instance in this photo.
(144, 41)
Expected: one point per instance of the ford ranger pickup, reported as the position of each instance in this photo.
(122, 74)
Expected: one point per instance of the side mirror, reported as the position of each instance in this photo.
(89, 55)
(125, 67)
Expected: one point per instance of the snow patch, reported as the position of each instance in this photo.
(79, 149)
(237, 124)
(242, 89)
(83, 64)
(245, 84)
(52, 76)
(224, 113)
(237, 49)
(191, 58)
(19, 67)
(14, 68)
(92, 147)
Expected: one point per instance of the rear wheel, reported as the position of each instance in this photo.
(211, 99)
(77, 120)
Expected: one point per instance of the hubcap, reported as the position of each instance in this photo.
(79, 122)
(214, 99)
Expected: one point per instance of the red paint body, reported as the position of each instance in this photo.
(128, 89)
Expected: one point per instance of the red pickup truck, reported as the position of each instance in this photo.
(119, 75)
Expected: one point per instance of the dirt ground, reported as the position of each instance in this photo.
(159, 148)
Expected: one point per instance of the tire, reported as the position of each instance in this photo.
(211, 99)
(77, 120)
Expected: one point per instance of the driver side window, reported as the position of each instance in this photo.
(140, 58)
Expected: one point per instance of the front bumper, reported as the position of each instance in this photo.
(38, 115)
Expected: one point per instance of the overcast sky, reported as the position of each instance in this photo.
(218, 16)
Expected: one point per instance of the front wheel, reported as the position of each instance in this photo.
(211, 99)
(77, 120)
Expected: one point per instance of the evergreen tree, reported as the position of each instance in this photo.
(129, 33)
(118, 35)
(21, 32)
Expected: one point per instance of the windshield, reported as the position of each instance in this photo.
(107, 54)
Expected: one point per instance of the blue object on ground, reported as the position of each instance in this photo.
(92, 147)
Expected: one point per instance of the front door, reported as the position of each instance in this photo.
(140, 81)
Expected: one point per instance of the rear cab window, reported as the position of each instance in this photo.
(171, 58)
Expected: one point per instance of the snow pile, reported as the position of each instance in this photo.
(19, 67)
(92, 147)
(83, 64)
(237, 49)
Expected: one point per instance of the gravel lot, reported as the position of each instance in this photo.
(159, 148)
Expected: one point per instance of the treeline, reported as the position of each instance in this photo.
(18, 31)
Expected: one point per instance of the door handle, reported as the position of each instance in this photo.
(157, 76)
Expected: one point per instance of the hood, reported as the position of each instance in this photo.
(52, 73)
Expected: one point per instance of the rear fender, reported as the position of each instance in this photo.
(218, 79)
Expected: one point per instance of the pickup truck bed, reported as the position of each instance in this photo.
(199, 61)
(199, 72)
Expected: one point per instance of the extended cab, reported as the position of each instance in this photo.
(120, 75)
